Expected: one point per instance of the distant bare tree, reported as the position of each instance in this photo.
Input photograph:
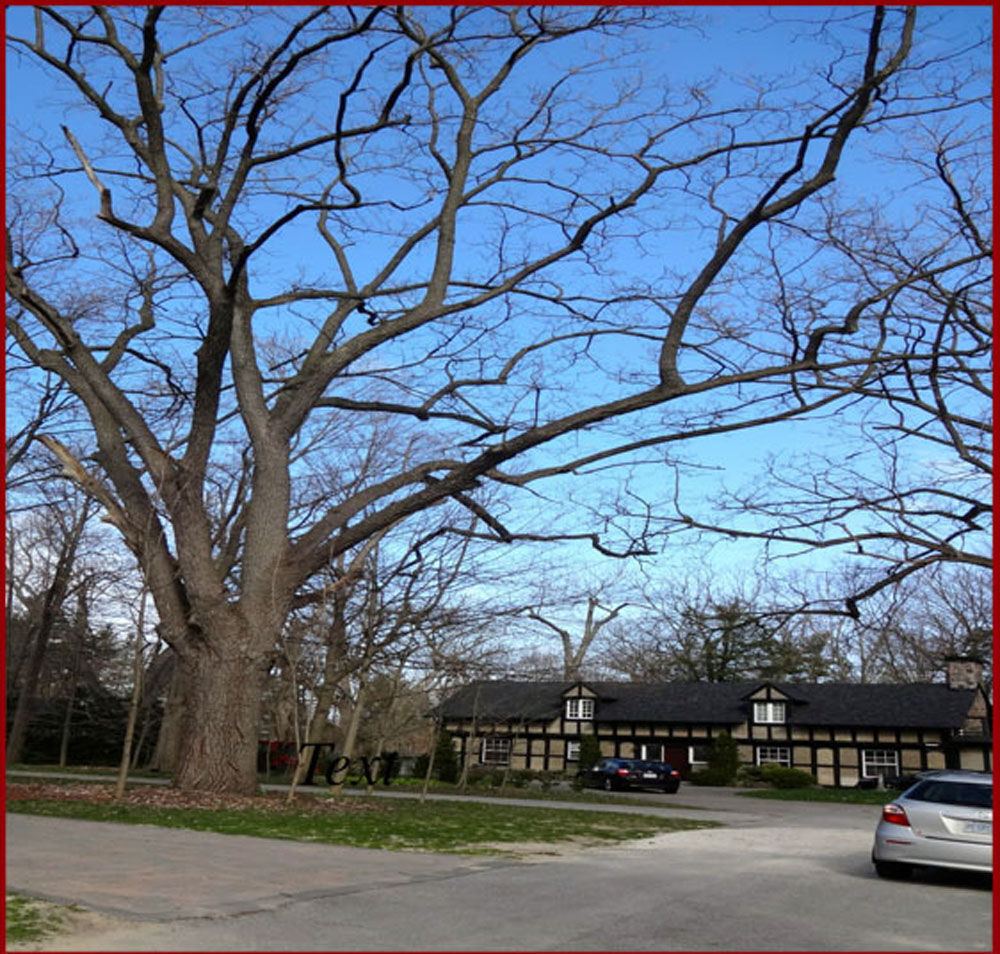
(908, 630)
(576, 643)
(693, 630)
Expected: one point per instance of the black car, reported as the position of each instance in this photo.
(615, 774)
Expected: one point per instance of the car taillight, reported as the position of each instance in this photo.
(622, 772)
(674, 774)
(895, 815)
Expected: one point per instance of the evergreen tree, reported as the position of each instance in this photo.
(445, 758)
(723, 759)
(590, 752)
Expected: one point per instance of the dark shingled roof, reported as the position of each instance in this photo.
(502, 700)
(919, 705)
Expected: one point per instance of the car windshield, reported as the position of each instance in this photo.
(953, 793)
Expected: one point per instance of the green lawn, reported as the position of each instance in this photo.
(404, 824)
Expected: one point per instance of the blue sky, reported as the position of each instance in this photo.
(728, 52)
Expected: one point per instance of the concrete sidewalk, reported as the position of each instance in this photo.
(146, 873)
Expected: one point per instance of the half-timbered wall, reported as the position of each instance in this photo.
(836, 756)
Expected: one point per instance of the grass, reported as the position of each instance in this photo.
(401, 824)
(850, 796)
(30, 920)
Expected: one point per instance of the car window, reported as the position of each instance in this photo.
(953, 793)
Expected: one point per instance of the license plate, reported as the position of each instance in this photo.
(978, 828)
(649, 775)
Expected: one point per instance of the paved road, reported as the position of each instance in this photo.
(785, 876)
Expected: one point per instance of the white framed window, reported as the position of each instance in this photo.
(773, 755)
(769, 712)
(579, 708)
(572, 751)
(698, 755)
(879, 762)
(495, 750)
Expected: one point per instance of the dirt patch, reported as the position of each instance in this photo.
(163, 796)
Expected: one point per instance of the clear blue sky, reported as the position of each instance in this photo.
(730, 48)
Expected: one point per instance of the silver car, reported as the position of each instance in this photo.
(945, 820)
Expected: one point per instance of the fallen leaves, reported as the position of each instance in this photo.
(165, 796)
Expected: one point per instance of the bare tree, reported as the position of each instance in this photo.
(693, 629)
(575, 646)
(911, 488)
(47, 402)
(909, 630)
(315, 226)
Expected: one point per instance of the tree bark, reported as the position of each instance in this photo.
(168, 738)
(220, 724)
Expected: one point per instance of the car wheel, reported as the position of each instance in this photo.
(892, 869)
(669, 789)
(608, 787)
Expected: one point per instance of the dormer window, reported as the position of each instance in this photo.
(579, 708)
(769, 712)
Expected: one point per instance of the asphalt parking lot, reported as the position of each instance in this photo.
(780, 876)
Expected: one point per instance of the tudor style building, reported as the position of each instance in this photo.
(840, 732)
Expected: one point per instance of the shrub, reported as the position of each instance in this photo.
(774, 776)
(781, 776)
(519, 778)
(710, 776)
(485, 776)
(723, 759)
(749, 776)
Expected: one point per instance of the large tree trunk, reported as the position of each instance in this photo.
(220, 725)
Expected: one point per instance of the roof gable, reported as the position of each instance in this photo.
(771, 690)
(577, 689)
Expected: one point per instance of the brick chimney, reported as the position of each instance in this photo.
(964, 672)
